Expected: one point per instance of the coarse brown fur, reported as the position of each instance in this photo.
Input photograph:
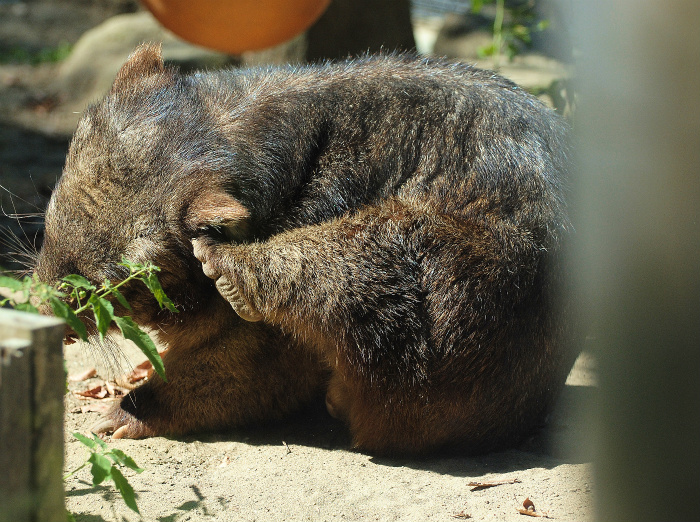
(386, 228)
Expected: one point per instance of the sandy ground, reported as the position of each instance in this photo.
(303, 470)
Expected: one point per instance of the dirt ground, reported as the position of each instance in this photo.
(303, 469)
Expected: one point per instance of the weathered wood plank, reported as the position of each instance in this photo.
(32, 383)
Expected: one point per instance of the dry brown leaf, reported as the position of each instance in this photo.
(476, 486)
(43, 104)
(83, 376)
(98, 392)
(145, 369)
(530, 510)
(139, 373)
(104, 391)
(123, 382)
(115, 390)
(462, 515)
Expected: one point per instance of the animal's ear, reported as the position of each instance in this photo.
(217, 210)
(146, 60)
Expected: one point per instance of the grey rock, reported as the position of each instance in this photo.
(88, 72)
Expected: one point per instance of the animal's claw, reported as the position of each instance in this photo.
(122, 425)
(105, 425)
(203, 251)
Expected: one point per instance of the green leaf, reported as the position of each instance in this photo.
(101, 468)
(62, 310)
(542, 25)
(477, 5)
(122, 458)
(12, 284)
(104, 313)
(131, 265)
(154, 286)
(130, 330)
(79, 282)
(125, 489)
(487, 50)
(85, 440)
(122, 300)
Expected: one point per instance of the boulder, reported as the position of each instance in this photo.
(88, 72)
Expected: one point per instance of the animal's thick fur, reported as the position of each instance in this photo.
(391, 222)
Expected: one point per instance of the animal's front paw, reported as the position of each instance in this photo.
(229, 281)
(122, 425)
(233, 294)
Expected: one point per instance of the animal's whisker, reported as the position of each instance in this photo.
(14, 196)
(107, 352)
(18, 251)
(23, 215)
(26, 252)
(33, 220)
(17, 273)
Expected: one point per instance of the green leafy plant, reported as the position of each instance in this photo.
(74, 296)
(87, 297)
(512, 32)
(105, 463)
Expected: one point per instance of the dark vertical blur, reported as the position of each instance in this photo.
(353, 27)
(636, 260)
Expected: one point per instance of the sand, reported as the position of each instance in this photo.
(303, 469)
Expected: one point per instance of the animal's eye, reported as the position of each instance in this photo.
(230, 233)
(148, 232)
(215, 231)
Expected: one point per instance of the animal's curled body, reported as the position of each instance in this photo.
(386, 229)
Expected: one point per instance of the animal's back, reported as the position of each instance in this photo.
(463, 140)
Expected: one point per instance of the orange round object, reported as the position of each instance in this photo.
(234, 26)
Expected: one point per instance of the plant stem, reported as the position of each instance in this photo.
(108, 291)
(498, 33)
(69, 475)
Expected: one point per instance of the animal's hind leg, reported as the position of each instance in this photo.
(238, 374)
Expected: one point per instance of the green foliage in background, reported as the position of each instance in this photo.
(512, 28)
(19, 55)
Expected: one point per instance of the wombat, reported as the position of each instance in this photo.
(386, 229)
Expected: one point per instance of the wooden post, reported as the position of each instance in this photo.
(637, 257)
(32, 384)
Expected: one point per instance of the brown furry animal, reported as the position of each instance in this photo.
(386, 228)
